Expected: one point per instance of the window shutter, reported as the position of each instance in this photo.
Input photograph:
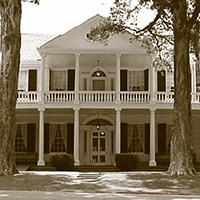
(161, 80)
(162, 138)
(146, 80)
(31, 131)
(71, 79)
(123, 80)
(46, 138)
(70, 138)
(124, 137)
(32, 80)
(147, 139)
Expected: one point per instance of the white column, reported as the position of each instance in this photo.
(193, 82)
(152, 161)
(153, 81)
(41, 138)
(76, 137)
(77, 76)
(118, 77)
(118, 131)
(42, 79)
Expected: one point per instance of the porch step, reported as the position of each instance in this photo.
(89, 177)
(89, 168)
(41, 168)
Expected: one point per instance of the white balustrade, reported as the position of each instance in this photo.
(97, 97)
(134, 97)
(28, 97)
(165, 97)
(100, 97)
(58, 97)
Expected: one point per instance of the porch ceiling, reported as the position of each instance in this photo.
(136, 61)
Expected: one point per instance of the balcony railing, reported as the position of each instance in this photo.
(58, 97)
(97, 96)
(100, 97)
(28, 97)
(134, 97)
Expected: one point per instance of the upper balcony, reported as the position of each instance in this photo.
(128, 99)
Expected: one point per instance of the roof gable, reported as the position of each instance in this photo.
(76, 40)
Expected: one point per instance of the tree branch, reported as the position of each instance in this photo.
(151, 24)
(195, 15)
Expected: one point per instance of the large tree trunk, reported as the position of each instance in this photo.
(11, 42)
(181, 162)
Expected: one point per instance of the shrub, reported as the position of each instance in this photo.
(62, 162)
(126, 161)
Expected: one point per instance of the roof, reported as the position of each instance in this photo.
(29, 44)
(75, 40)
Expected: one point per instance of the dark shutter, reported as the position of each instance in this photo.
(147, 139)
(124, 137)
(146, 80)
(161, 80)
(123, 80)
(32, 80)
(70, 138)
(162, 138)
(46, 138)
(71, 79)
(31, 131)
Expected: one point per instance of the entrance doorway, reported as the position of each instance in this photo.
(99, 148)
(98, 85)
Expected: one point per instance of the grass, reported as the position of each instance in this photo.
(131, 182)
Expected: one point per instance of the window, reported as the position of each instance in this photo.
(58, 80)
(58, 138)
(136, 80)
(23, 80)
(135, 138)
(20, 138)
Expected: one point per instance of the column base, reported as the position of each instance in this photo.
(152, 163)
(76, 163)
(40, 163)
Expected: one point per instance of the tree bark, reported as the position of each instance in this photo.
(181, 155)
(11, 43)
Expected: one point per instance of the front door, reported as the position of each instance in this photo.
(99, 148)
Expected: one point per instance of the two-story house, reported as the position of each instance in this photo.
(93, 100)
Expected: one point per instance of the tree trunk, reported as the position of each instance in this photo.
(11, 42)
(181, 162)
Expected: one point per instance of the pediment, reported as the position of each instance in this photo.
(76, 40)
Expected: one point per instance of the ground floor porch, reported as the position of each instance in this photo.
(94, 136)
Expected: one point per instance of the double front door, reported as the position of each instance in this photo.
(99, 148)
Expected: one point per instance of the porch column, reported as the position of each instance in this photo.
(118, 130)
(118, 77)
(41, 138)
(153, 86)
(77, 77)
(76, 136)
(152, 161)
(42, 79)
(193, 82)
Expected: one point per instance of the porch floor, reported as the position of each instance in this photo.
(142, 166)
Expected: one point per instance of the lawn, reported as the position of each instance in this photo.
(115, 182)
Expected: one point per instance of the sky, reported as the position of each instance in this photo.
(55, 17)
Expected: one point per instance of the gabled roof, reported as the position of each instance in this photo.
(75, 40)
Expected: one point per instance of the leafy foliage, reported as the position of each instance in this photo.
(126, 161)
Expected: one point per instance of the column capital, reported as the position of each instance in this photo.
(118, 54)
(77, 54)
(76, 109)
(41, 109)
(118, 109)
